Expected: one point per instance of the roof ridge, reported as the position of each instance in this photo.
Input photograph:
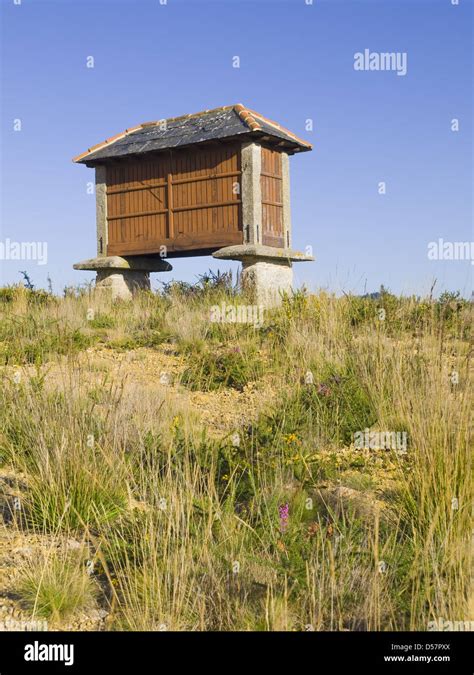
(278, 126)
(247, 117)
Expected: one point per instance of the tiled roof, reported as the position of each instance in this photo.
(221, 123)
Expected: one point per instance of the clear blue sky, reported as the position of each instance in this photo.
(154, 61)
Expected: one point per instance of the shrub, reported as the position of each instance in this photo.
(230, 367)
(56, 585)
(102, 321)
(329, 409)
(28, 339)
(71, 496)
(8, 294)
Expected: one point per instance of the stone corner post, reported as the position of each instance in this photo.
(251, 192)
(101, 210)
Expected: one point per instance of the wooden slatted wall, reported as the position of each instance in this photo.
(183, 200)
(272, 198)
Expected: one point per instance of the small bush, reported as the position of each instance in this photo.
(26, 339)
(102, 321)
(56, 585)
(330, 409)
(231, 367)
(8, 294)
(72, 501)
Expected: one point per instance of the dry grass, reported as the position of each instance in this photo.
(57, 584)
(184, 521)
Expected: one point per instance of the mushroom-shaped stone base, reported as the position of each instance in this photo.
(267, 272)
(120, 278)
(123, 284)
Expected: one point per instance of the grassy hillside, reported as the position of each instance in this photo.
(163, 471)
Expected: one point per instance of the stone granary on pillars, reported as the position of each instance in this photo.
(215, 182)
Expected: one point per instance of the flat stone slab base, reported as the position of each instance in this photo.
(136, 262)
(242, 251)
(120, 278)
(267, 272)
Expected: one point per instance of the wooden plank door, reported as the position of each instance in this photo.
(272, 199)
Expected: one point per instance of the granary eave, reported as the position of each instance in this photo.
(218, 125)
(257, 136)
